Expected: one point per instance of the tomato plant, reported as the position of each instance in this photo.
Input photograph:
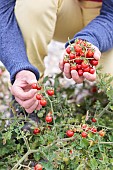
(62, 134)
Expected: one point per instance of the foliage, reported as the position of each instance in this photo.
(72, 108)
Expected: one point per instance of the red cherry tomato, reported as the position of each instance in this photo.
(71, 56)
(84, 134)
(90, 53)
(38, 167)
(93, 120)
(68, 50)
(34, 86)
(50, 92)
(48, 119)
(43, 102)
(69, 133)
(36, 131)
(94, 62)
(39, 96)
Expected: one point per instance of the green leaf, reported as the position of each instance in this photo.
(84, 143)
(111, 107)
(93, 163)
(45, 79)
(47, 165)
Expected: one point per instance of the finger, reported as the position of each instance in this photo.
(27, 103)
(90, 77)
(33, 107)
(78, 79)
(38, 107)
(21, 94)
(67, 70)
(97, 53)
(61, 65)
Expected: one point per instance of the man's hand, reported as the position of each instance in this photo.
(23, 93)
(74, 74)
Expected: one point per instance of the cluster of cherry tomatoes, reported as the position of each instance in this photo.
(80, 56)
(86, 129)
(39, 96)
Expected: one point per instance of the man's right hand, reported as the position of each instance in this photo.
(23, 92)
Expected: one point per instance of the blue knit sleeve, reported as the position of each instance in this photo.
(100, 30)
(12, 49)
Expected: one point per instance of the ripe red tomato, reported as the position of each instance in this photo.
(93, 120)
(86, 69)
(68, 50)
(80, 72)
(38, 167)
(73, 67)
(78, 48)
(93, 130)
(36, 131)
(39, 96)
(71, 56)
(48, 119)
(84, 65)
(94, 62)
(84, 134)
(69, 133)
(78, 60)
(90, 53)
(91, 70)
(43, 102)
(34, 86)
(50, 92)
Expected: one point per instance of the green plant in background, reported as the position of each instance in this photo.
(74, 129)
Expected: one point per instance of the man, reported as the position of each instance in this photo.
(41, 22)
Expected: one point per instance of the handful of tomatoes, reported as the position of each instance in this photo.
(80, 56)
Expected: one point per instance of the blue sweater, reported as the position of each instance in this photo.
(12, 49)
(100, 30)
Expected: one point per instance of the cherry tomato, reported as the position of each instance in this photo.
(94, 62)
(68, 50)
(93, 120)
(86, 69)
(84, 134)
(91, 70)
(84, 126)
(78, 48)
(69, 133)
(78, 60)
(48, 119)
(50, 92)
(80, 72)
(93, 89)
(101, 133)
(34, 86)
(43, 102)
(36, 131)
(93, 130)
(39, 96)
(38, 167)
(71, 56)
(84, 65)
(73, 67)
(90, 53)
